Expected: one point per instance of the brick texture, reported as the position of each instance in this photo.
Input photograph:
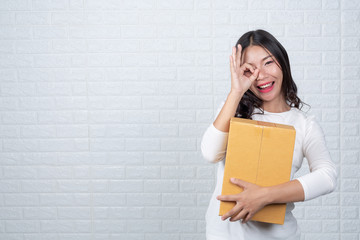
(103, 105)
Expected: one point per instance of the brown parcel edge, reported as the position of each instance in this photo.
(260, 153)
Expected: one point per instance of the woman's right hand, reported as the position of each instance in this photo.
(242, 75)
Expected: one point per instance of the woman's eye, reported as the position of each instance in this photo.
(269, 62)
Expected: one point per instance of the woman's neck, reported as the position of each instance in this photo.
(276, 107)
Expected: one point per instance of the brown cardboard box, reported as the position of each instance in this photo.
(260, 153)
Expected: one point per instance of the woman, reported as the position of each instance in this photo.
(262, 89)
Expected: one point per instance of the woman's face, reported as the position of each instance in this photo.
(267, 86)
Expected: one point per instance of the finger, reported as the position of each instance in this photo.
(234, 211)
(247, 218)
(227, 198)
(234, 56)
(232, 69)
(241, 215)
(239, 182)
(247, 66)
(238, 54)
(254, 76)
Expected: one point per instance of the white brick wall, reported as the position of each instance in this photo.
(103, 105)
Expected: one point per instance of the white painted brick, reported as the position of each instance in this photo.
(49, 5)
(123, 18)
(184, 226)
(141, 116)
(190, 45)
(349, 185)
(8, 75)
(163, 130)
(322, 44)
(125, 213)
(109, 199)
(330, 4)
(65, 199)
(350, 226)
(286, 16)
(114, 226)
(138, 32)
(123, 130)
(71, 186)
(158, 74)
(96, 32)
(126, 186)
(349, 212)
(177, 116)
(191, 213)
(18, 32)
(194, 19)
(74, 213)
(230, 5)
(161, 18)
(7, 18)
(159, 102)
(175, 32)
(204, 88)
(64, 226)
(146, 60)
(161, 158)
(38, 186)
(10, 186)
(21, 199)
(265, 5)
(303, 5)
(11, 213)
(150, 45)
(331, 30)
(136, 199)
(195, 101)
(24, 226)
(105, 172)
(168, 88)
(142, 172)
(178, 144)
(144, 144)
(350, 129)
(162, 212)
(198, 186)
(163, 186)
(191, 158)
(114, 103)
(192, 130)
(177, 172)
(305, 58)
(19, 60)
(143, 225)
(20, 145)
(176, 59)
(7, 47)
(32, 18)
(204, 116)
(303, 30)
(162, 236)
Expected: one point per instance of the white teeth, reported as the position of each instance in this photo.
(265, 86)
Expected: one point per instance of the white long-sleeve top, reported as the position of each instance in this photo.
(309, 143)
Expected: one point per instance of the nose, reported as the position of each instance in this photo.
(261, 74)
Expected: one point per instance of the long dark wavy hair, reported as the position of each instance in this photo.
(267, 41)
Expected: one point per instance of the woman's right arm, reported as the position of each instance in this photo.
(214, 141)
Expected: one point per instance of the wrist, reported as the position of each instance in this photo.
(269, 198)
(237, 94)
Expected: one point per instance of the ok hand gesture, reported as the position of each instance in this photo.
(242, 75)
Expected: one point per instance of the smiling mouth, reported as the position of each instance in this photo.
(266, 87)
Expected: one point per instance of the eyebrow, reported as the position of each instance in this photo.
(266, 57)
